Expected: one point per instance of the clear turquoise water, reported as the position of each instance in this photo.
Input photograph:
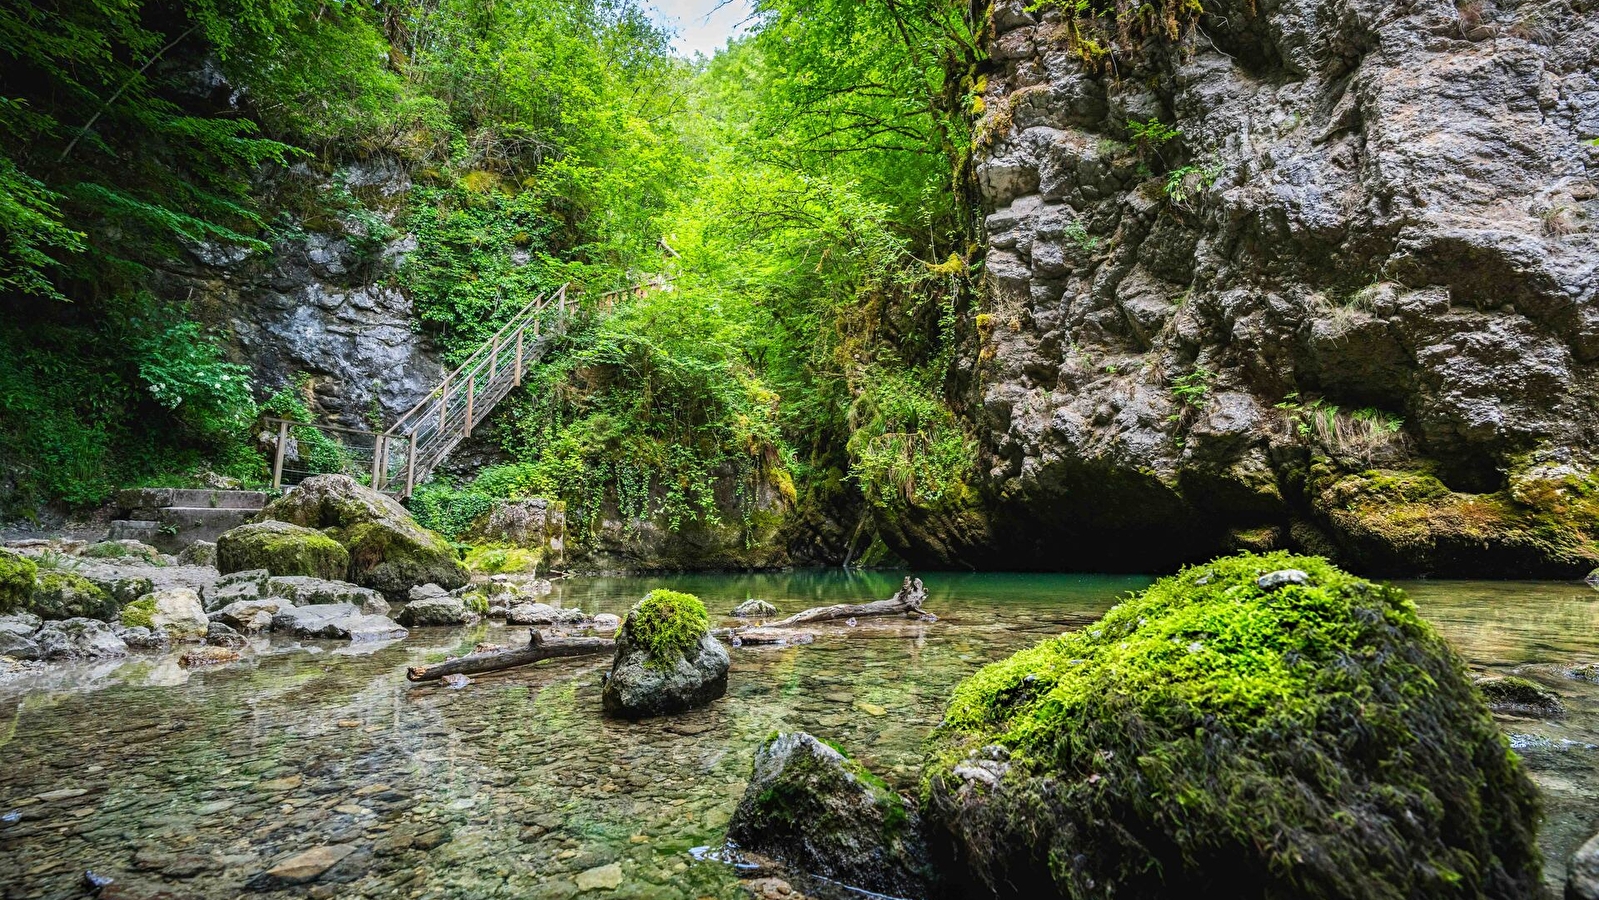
(193, 783)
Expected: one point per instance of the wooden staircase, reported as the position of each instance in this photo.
(397, 460)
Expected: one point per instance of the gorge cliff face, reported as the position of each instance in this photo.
(1349, 305)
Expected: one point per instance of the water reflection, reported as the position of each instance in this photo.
(196, 783)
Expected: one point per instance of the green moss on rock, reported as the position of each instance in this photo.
(1213, 738)
(140, 613)
(17, 577)
(667, 624)
(282, 549)
(495, 559)
(66, 595)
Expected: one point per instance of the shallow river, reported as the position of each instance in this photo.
(189, 785)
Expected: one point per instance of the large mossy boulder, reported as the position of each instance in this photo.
(389, 551)
(812, 807)
(17, 577)
(1229, 734)
(281, 549)
(60, 595)
(666, 660)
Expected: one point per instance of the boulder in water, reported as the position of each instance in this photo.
(17, 576)
(666, 660)
(300, 590)
(282, 549)
(250, 616)
(67, 595)
(388, 550)
(1520, 696)
(544, 614)
(1212, 738)
(437, 611)
(755, 609)
(177, 613)
(335, 621)
(79, 638)
(813, 808)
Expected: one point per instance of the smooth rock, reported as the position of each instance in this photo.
(600, 878)
(302, 868)
(250, 616)
(544, 614)
(437, 611)
(755, 609)
(301, 590)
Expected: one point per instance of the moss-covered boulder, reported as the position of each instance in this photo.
(812, 807)
(1229, 735)
(666, 660)
(17, 577)
(389, 551)
(177, 613)
(60, 594)
(282, 549)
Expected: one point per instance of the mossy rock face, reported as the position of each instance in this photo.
(282, 549)
(388, 550)
(1213, 738)
(1545, 524)
(17, 577)
(817, 810)
(666, 660)
(64, 595)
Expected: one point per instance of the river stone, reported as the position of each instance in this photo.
(437, 611)
(388, 550)
(755, 609)
(17, 577)
(178, 613)
(236, 586)
(66, 595)
(1519, 696)
(426, 592)
(1208, 734)
(302, 868)
(218, 634)
(199, 553)
(301, 590)
(18, 646)
(1582, 872)
(250, 616)
(816, 810)
(600, 878)
(636, 689)
(606, 622)
(282, 549)
(544, 614)
(139, 637)
(335, 621)
(79, 638)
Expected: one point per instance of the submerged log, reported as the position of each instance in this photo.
(538, 648)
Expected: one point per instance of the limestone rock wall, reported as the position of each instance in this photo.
(1372, 253)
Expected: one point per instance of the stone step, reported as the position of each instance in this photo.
(190, 498)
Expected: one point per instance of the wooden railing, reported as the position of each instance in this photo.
(399, 459)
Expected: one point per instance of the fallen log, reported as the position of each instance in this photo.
(907, 601)
(538, 648)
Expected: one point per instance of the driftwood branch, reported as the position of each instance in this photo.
(538, 648)
(907, 602)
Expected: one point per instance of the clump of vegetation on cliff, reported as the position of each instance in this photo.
(1237, 735)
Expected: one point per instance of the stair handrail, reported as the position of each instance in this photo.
(538, 304)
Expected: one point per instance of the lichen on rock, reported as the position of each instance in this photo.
(1317, 740)
(282, 549)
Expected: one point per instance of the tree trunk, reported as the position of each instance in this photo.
(538, 648)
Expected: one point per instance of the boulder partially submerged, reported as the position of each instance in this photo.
(812, 807)
(1213, 738)
(666, 660)
(388, 550)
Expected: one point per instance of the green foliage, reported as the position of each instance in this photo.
(667, 624)
(1193, 390)
(1101, 32)
(17, 576)
(1209, 719)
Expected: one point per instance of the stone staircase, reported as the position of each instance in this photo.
(171, 519)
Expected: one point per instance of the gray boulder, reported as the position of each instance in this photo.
(18, 646)
(199, 553)
(544, 614)
(1582, 872)
(640, 686)
(79, 638)
(21, 624)
(817, 810)
(220, 635)
(335, 621)
(301, 590)
(236, 586)
(250, 616)
(437, 611)
(426, 592)
(755, 609)
(141, 638)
